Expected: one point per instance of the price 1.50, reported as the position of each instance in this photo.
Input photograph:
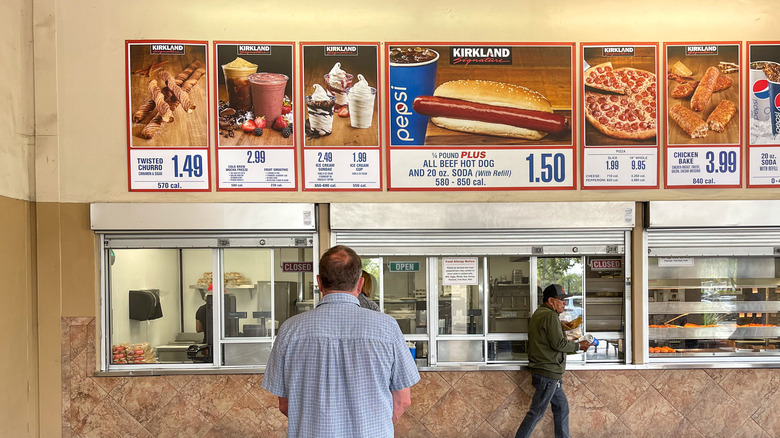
(192, 166)
(552, 167)
(727, 162)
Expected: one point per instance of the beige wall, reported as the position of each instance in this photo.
(18, 331)
(88, 37)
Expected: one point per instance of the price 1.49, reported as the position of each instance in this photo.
(192, 166)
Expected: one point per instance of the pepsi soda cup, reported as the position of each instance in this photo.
(759, 95)
(774, 106)
(412, 74)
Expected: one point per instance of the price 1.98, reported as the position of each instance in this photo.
(552, 167)
(192, 166)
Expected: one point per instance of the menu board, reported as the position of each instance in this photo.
(167, 115)
(480, 116)
(255, 124)
(341, 146)
(620, 107)
(763, 125)
(703, 129)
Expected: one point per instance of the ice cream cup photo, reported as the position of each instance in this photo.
(237, 83)
(319, 107)
(412, 74)
(361, 98)
(268, 94)
(338, 81)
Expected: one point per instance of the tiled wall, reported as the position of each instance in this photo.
(646, 403)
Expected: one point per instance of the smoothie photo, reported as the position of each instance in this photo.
(267, 94)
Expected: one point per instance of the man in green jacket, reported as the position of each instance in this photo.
(547, 349)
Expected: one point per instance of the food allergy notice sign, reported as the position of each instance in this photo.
(445, 134)
(341, 129)
(459, 270)
(167, 112)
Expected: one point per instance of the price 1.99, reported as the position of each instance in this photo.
(191, 166)
(552, 167)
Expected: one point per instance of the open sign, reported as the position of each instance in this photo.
(606, 264)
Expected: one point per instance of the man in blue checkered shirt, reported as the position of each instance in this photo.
(341, 370)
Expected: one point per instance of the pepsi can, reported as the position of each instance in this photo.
(759, 95)
(774, 106)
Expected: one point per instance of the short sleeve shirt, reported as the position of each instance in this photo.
(337, 365)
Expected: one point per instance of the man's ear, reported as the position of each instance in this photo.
(360, 282)
(319, 283)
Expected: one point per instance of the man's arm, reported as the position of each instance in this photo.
(283, 405)
(402, 399)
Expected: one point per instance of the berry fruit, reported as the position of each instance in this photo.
(280, 123)
(344, 111)
(260, 122)
(258, 131)
(248, 126)
(286, 131)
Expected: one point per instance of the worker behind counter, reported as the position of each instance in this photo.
(203, 316)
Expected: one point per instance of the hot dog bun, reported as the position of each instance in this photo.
(491, 93)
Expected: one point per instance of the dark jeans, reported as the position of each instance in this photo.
(548, 391)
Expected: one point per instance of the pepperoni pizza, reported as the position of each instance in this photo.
(621, 103)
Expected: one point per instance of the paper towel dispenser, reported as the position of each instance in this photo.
(145, 304)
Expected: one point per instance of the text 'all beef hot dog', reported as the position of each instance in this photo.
(492, 108)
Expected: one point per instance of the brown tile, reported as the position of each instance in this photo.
(247, 419)
(269, 402)
(652, 416)
(682, 388)
(618, 429)
(405, 424)
(143, 397)
(518, 376)
(419, 431)
(618, 389)
(750, 429)
(587, 413)
(485, 390)
(214, 395)
(718, 374)
(85, 395)
(426, 393)
(451, 377)
(507, 418)
(439, 419)
(586, 376)
(79, 363)
(107, 420)
(78, 339)
(686, 429)
(715, 413)
(766, 416)
(90, 365)
(214, 434)
(143, 433)
(485, 431)
(179, 418)
(178, 381)
(744, 384)
(109, 383)
(650, 375)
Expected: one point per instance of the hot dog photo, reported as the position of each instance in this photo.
(480, 95)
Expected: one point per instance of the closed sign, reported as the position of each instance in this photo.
(606, 264)
(297, 267)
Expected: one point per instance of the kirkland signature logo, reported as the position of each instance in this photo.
(341, 50)
(617, 51)
(254, 50)
(168, 49)
(480, 55)
(701, 50)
